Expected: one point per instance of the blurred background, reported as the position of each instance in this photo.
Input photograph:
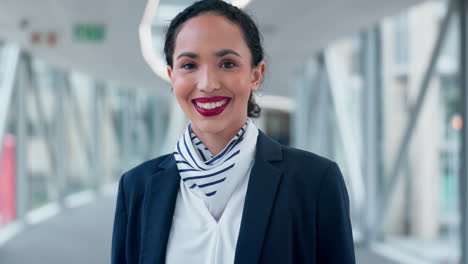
(378, 86)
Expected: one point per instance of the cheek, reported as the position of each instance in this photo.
(182, 89)
(240, 87)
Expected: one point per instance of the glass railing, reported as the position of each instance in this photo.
(69, 134)
(418, 214)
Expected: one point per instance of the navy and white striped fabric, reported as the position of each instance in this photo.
(215, 177)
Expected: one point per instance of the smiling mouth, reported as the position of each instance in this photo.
(211, 106)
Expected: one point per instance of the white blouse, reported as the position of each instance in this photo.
(196, 236)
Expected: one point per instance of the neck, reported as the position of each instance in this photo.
(217, 141)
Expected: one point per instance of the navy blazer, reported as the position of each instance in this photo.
(296, 210)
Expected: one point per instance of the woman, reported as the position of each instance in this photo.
(228, 193)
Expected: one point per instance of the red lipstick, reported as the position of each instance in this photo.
(204, 105)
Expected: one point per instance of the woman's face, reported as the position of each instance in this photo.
(212, 73)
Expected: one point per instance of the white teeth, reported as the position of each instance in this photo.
(210, 106)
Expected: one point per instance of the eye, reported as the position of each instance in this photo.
(189, 66)
(228, 65)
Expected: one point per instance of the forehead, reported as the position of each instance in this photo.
(209, 32)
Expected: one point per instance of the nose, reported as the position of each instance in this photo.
(208, 80)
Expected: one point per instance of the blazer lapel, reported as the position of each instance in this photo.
(259, 200)
(161, 195)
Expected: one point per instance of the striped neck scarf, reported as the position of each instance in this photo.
(213, 178)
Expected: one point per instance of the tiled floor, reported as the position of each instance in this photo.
(83, 235)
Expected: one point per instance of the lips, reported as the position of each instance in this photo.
(211, 106)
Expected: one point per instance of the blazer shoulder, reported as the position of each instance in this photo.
(137, 177)
(306, 160)
(306, 169)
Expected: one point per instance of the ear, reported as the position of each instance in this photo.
(169, 72)
(257, 75)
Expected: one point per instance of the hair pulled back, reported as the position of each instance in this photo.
(249, 29)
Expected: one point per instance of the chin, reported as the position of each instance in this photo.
(211, 126)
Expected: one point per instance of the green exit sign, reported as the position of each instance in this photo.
(89, 32)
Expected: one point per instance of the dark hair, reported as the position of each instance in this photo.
(250, 31)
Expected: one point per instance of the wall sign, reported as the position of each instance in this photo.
(89, 32)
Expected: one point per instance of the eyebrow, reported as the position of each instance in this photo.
(188, 54)
(225, 52)
(220, 53)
